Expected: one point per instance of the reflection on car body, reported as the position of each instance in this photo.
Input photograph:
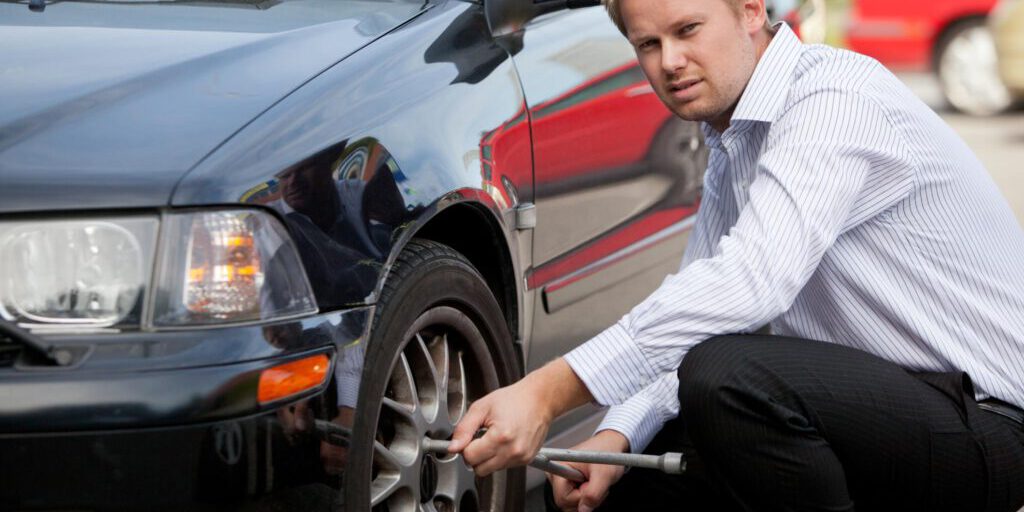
(348, 219)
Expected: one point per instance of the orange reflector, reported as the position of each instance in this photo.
(292, 378)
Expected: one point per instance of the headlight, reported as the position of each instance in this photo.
(232, 266)
(212, 268)
(75, 273)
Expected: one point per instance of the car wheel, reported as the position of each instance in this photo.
(968, 72)
(678, 150)
(439, 341)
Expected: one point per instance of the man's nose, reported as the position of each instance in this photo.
(673, 57)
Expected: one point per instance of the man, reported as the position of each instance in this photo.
(844, 213)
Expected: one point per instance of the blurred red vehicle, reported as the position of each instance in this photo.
(605, 130)
(948, 36)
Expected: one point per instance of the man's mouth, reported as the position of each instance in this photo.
(294, 195)
(683, 89)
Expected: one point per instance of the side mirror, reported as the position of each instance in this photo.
(509, 16)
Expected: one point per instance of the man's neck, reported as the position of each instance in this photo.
(761, 41)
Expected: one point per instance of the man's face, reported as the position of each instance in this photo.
(698, 54)
(306, 187)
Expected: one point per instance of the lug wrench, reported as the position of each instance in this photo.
(671, 463)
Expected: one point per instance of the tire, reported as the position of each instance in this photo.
(968, 70)
(439, 341)
(678, 150)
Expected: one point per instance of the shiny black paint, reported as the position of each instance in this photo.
(170, 421)
(232, 115)
(147, 385)
(136, 96)
(423, 95)
(246, 463)
(153, 379)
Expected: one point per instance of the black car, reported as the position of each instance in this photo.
(252, 252)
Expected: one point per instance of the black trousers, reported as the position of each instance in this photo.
(775, 423)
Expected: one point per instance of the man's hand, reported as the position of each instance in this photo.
(586, 496)
(517, 418)
(296, 421)
(517, 421)
(334, 457)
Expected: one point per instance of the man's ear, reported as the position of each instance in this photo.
(754, 15)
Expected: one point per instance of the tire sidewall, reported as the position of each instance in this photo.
(444, 279)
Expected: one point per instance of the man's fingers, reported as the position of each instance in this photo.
(484, 455)
(490, 453)
(489, 466)
(591, 496)
(565, 493)
(467, 428)
(595, 489)
(572, 501)
(303, 416)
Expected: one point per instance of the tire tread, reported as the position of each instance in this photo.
(419, 251)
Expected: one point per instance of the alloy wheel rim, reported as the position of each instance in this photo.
(427, 393)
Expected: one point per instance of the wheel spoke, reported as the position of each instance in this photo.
(403, 410)
(382, 488)
(403, 384)
(458, 397)
(454, 480)
(441, 358)
(385, 457)
(429, 360)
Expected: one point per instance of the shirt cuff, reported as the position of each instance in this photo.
(611, 366)
(638, 420)
(348, 391)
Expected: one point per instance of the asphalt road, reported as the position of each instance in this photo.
(997, 141)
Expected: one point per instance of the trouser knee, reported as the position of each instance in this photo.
(712, 370)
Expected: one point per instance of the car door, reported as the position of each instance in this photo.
(614, 180)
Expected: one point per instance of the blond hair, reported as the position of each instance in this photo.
(615, 13)
(612, 6)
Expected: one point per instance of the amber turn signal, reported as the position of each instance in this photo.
(292, 378)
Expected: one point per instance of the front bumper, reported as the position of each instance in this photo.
(171, 422)
(245, 464)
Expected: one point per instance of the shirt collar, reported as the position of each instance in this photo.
(768, 87)
(712, 138)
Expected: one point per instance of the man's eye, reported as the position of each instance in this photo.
(643, 45)
(689, 28)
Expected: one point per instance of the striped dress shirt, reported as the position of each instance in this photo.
(837, 207)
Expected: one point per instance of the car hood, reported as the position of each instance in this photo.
(107, 104)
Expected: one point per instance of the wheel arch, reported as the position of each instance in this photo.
(469, 221)
(471, 229)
